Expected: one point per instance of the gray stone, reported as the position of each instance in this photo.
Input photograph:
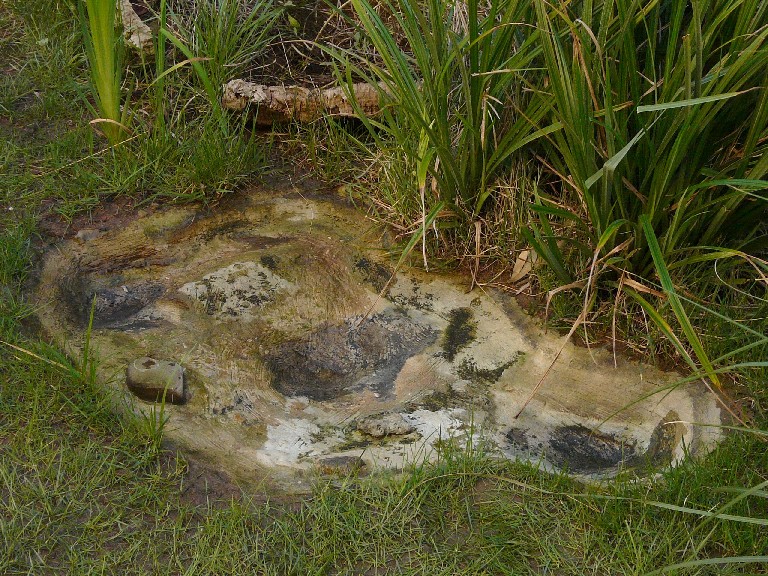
(151, 379)
(387, 424)
(138, 36)
(235, 290)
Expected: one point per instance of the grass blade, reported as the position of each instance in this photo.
(676, 304)
(690, 102)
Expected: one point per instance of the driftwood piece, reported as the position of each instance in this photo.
(138, 35)
(284, 103)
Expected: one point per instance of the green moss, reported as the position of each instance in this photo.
(468, 370)
(433, 402)
(270, 261)
(377, 275)
(352, 442)
(460, 332)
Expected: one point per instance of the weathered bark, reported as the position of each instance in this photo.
(138, 35)
(284, 103)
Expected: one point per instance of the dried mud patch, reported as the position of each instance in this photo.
(274, 304)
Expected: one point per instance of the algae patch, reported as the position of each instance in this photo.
(461, 331)
(468, 370)
(377, 275)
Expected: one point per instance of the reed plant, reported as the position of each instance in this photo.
(664, 114)
(448, 75)
(105, 51)
(224, 38)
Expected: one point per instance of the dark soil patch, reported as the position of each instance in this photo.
(204, 486)
(110, 214)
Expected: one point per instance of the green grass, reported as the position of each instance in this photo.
(648, 118)
(49, 152)
(629, 109)
(85, 491)
(447, 108)
(106, 53)
(229, 36)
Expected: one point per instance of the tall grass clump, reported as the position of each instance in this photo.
(224, 38)
(454, 108)
(664, 114)
(182, 145)
(105, 50)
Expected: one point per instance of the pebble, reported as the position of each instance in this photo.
(386, 424)
(151, 379)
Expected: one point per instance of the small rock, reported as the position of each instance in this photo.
(138, 36)
(88, 234)
(151, 379)
(387, 424)
(341, 465)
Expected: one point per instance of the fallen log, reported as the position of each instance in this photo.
(272, 104)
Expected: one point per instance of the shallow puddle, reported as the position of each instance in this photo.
(294, 366)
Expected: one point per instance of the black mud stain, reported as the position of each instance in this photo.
(113, 306)
(582, 450)
(377, 275)
(518, 438)
(270, 262)
(460, 331)
(340, 359)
